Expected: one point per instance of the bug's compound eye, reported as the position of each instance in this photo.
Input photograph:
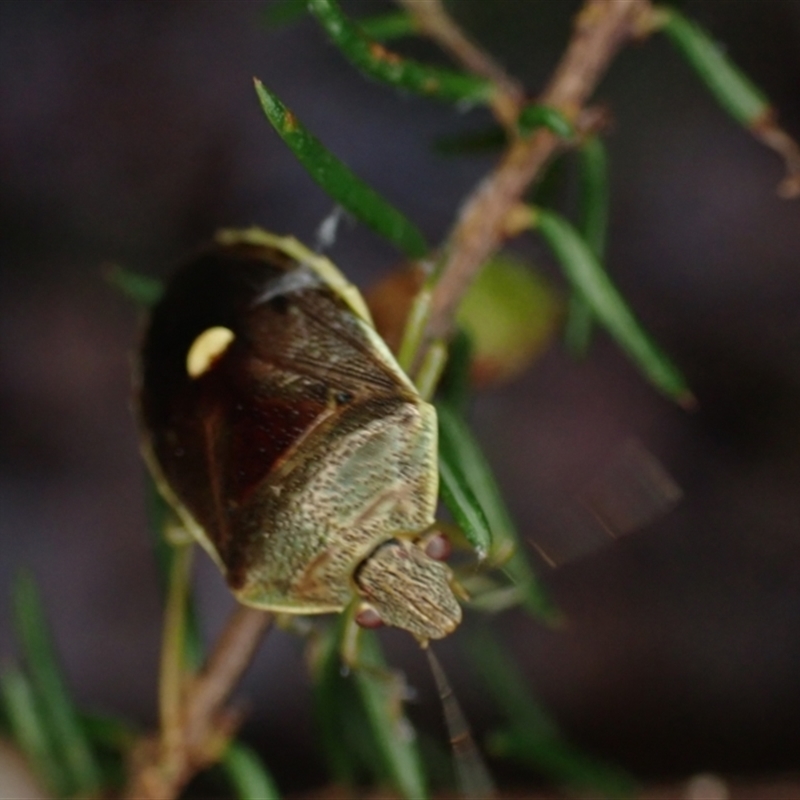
(437, 546)
(206, 349)
(368, 617)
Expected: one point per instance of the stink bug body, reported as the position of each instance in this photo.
(288, 440)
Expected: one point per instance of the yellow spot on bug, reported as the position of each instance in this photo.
(206, 349)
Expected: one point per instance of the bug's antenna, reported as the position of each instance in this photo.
(474, 780)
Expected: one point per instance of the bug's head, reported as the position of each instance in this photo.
(406, 585)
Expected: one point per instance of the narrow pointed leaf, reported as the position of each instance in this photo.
(512, 696)
(143, 290)
(360, 716)
(594, 225)
(562, 762)
(376, 62)
(247, 774)
(734, 91)
(29, 730)
(536, 599)
(463, 504)
(392, 731)
(109, 732)
(112, 741)
(586, 274)
(388, 26)
(532, 737)
(454, 387)
(70, 742)
(459, 449)
(594, 194)
(335, 701)
(339, 181)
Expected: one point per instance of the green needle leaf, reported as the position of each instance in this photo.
(734, 91)
(360, 715)
(29, 730)
(461, 451)
(470, 471)
(563, 763)
(532, 737)
(463, 505)
(109, 732)
(586, 274)
(393, 733)
(247, 775)
(594, 191)
(336, 704)
(594, 225)
(70, 742)
(378, 63)
(339, 181)
(510, 692)
(388, 26)
(143, 290)
(454, 386)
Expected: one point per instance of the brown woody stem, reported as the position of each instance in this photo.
(602, 27)
(163, 766)
(432, 19)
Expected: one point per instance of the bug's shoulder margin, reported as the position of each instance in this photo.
(323, 266)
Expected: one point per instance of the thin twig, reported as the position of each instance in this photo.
(231, 656)
(772, 135)
(602, 27)
(433, 20)
(162, 768)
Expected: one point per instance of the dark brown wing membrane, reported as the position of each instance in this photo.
(300, 366)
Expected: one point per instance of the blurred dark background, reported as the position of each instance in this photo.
(130, 132)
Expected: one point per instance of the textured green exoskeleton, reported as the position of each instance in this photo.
(290, 443)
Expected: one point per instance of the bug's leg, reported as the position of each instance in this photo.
(452, 533)
(473, 582)
(356, 618)
(348, 644)
(180, 650)
(173, 668)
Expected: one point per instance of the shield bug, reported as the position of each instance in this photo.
(292, 446)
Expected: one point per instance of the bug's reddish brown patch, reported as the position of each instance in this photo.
(299, 366)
